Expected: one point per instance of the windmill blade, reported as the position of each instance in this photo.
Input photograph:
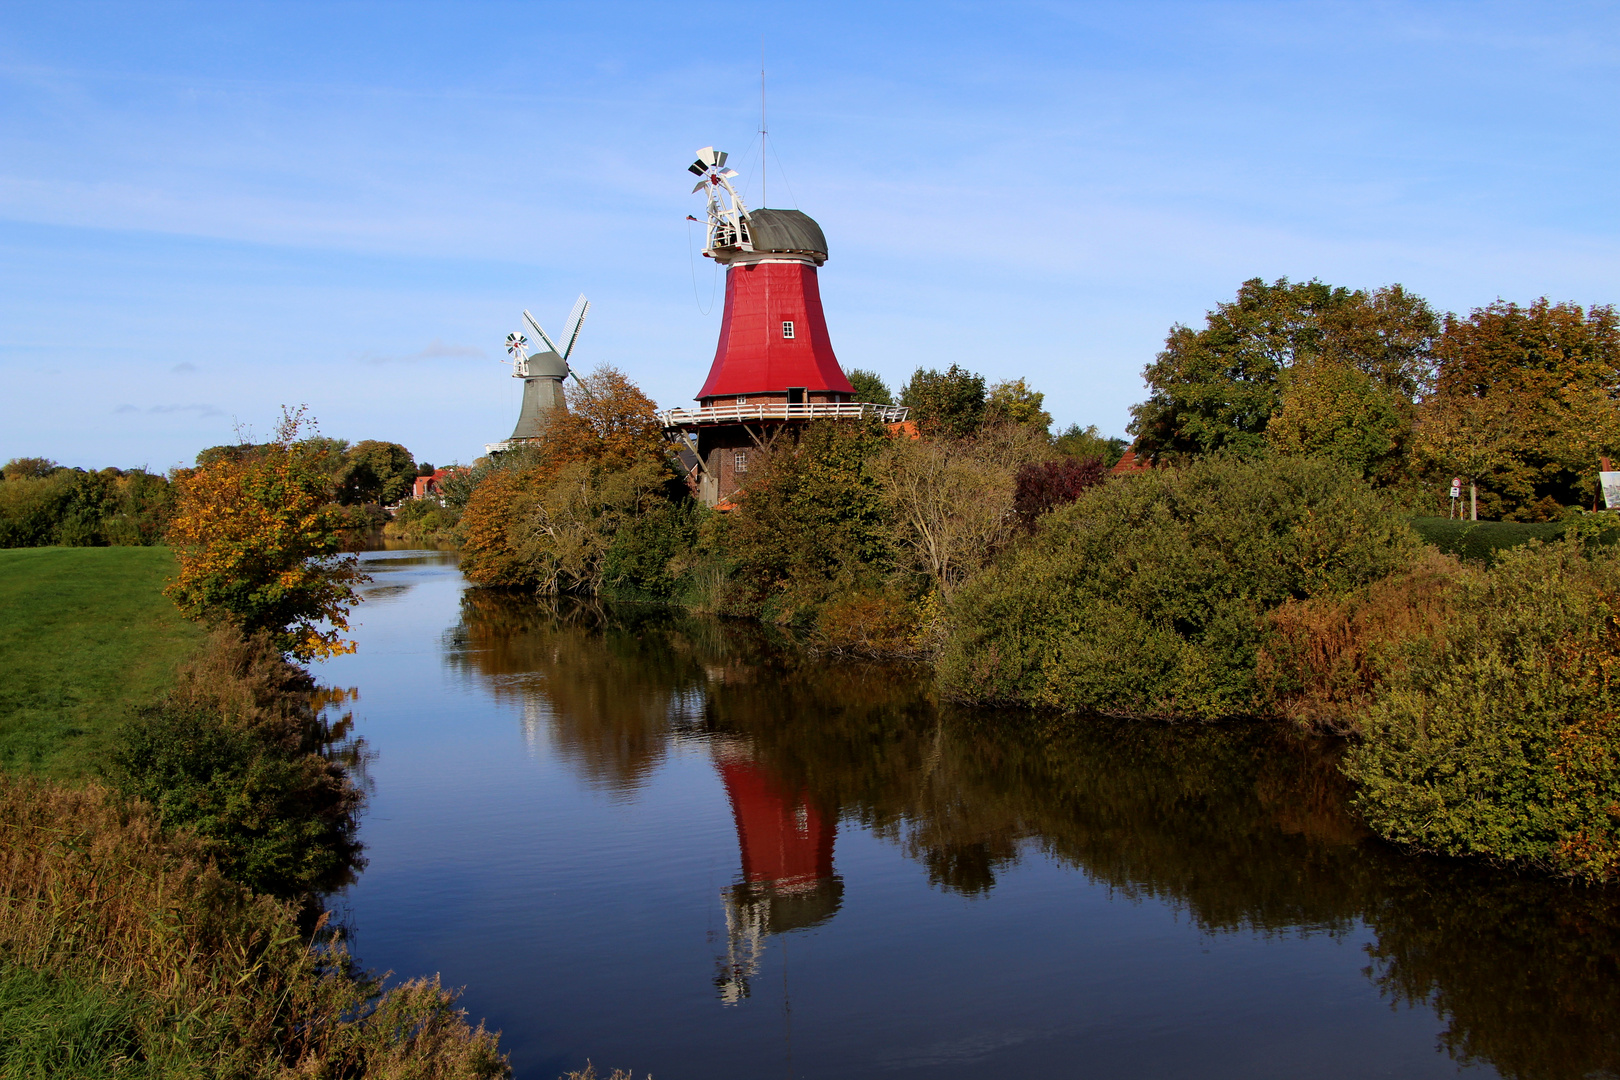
(701, 184)
(576, 319)
(539, 333)
(708, 156)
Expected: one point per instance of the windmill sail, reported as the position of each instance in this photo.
(576, 319)
(541, 334)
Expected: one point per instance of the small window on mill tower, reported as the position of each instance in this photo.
(787, 329)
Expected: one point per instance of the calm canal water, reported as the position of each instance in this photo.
(668, 843)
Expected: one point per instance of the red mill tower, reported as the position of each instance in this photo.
(774, 367)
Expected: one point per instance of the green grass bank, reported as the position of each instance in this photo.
(85, 633)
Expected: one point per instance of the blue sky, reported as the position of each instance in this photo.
(211, 210)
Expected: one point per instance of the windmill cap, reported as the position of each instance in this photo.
(787, 231)
(547, 365)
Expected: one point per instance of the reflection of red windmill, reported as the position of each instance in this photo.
(787, 866)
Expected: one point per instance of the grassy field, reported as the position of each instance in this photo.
(85, 633)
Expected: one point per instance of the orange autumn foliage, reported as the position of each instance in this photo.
(610, 423)
(259, 544)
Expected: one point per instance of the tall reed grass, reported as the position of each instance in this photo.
(137, 938)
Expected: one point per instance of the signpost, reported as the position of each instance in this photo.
(1611, 489)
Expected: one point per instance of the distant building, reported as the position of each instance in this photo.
(428, 486)
(1130, 463)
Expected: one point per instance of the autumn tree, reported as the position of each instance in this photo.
(1219, 388)
(1335, 410)
(259, 545)
(609, 419)
(544, 515)
(1524, 404)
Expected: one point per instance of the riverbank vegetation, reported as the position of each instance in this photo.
(125, 951)
(160, 903)
(1282, 557)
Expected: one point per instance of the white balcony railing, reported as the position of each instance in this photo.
(777, 410)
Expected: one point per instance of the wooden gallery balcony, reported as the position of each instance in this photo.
(781, 411)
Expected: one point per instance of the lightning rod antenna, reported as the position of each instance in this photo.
(763, 129)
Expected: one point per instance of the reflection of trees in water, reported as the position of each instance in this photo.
(1525, 973)
(1243, 829)
(606, 692)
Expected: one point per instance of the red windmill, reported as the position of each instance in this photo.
(774, 365)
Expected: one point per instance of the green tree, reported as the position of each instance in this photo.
(812, 521)
(375, 472)
(1088, 442)
(950, 402)
(869, 386)
(259, 544)
(1333, 410)
(29, 467)
(1012, 401)
(1218, 388)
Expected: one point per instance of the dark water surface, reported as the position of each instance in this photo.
(668, 844)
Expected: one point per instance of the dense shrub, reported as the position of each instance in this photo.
(883, 624)
(240, 756)
(1503, 741)
(1149, 594)
(1042, 485)
(427, 522)
(1481, 540)
(1328, 657)
(644, 559)
(811, 524)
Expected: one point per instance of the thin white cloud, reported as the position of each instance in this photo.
(160, 410)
